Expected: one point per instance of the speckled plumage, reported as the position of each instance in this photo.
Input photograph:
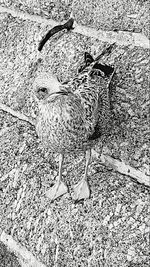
(71, 117)
(67, 120)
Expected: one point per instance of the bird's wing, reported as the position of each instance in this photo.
(91, 87)
(94, 96)
(88, 93)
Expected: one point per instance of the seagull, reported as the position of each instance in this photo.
(72, 116)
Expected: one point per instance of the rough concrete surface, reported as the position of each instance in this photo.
(58, 9)
(126, 15)
(7, 259)
(112, 227)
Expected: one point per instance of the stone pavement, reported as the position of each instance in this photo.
(112, 227)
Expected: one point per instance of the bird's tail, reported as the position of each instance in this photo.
(96, 67)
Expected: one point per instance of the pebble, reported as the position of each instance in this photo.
(139, 209)
(43, 249)
(124, 144)
(36, 224)
(147, 230)
(22, 147)
(131, 253)
(39, 243)
(131, 220)
(129, 258)
(116, 223)
(137, 154)
(29, 223)
(106, 220)
(142, 228)
(118, 208)
(130, 112)
(147, 221)
(9, 174)
(110, 226)
(16, 176)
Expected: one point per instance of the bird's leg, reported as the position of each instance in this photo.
(81, 190)
(59, 188)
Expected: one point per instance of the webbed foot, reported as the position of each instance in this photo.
(81, 190)
(57, 190)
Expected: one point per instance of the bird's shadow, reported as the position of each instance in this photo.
(114, 99)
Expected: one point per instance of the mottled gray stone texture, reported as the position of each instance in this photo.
(111, 228)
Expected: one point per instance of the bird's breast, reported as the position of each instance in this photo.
(61, 126)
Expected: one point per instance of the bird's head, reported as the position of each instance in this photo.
(45, 87)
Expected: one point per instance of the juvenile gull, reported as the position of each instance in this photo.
(72, 116)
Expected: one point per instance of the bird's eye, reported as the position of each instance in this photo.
(43, 90)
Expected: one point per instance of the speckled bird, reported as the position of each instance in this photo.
(72, 116)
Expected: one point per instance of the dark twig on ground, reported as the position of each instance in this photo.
(68, 26)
